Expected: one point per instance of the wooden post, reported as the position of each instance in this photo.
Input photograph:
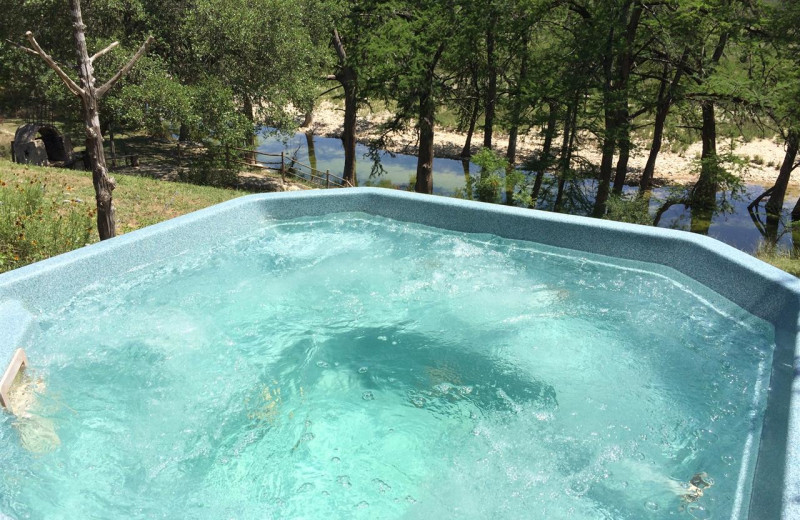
(283, 169)
(327, 178)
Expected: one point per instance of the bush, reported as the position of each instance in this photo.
(632, 210)
(37, 222)
(487, 188)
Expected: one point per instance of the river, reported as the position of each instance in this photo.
(734, 225)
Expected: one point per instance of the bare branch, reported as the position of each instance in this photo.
(124, 70)
(104, 51)
(71, 85)
(22, 47)
(339, 46)
(330, 90)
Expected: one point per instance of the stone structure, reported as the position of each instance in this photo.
(41, 145)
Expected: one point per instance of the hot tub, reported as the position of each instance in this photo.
(379, 354)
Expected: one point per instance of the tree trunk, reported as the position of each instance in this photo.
(705, 191)
(646, 182)
(308, 118)
(700, 218)
(346, 75)
(467, 150)
(427, 115)
(427, 112)
(775, 204)
(511, 151)
(610, 130)
(622, 162)
(795, 232)
(544, 158)
(312, 152)
(570, 124)
(664, 103)
(516, 107)
(473, 118)
(349, 130)
(606, 166)
(468, 180)
(625, 63)
(247, 108)
(491, 87)
(183, 133)
(771, 227)
(796, 215)
(249, 138)
(103, 184)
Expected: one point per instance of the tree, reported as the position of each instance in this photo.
(90, 95)
(347, 76)
(782, 91)
(406, 49)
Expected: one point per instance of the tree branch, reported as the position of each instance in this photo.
(668, 204)
(124, 70)
(329, 90)
(104, 51)
(22, 47)
(71, 85)
(339, 46)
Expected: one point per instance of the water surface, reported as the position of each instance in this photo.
(351, 366)
(733, 226)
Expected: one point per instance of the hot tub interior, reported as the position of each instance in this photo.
(350, 365)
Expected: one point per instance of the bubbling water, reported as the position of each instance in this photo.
(350, 366)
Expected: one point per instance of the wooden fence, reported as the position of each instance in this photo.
(288, 167)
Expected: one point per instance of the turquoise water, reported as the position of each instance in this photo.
(351, 366)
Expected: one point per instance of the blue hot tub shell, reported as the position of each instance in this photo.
(761, 289)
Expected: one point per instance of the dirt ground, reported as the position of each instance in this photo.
(671, 168)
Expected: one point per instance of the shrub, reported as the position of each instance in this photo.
(487, 188)
(633, 210)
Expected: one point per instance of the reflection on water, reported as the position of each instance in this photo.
(734, 225)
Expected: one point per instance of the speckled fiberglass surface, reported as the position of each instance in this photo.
(351, 366)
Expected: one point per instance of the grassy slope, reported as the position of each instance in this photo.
(781, 258)
(139, 201)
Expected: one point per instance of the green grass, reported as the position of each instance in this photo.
(7, 129)
(48, 211)
(783, 258)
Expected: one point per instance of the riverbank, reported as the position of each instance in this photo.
(763, 156)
